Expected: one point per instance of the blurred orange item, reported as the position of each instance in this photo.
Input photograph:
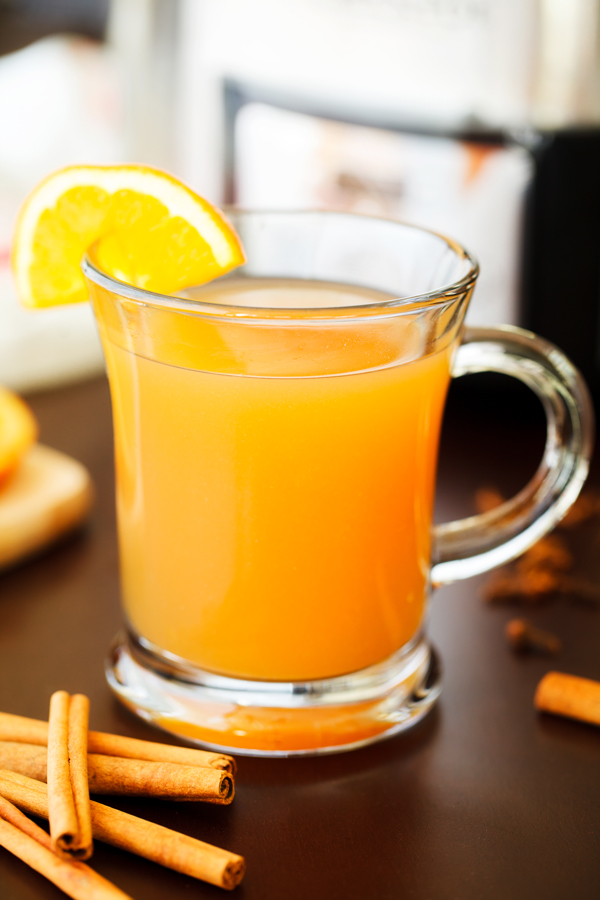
(18, 432)
(488, 498)
(550, 553)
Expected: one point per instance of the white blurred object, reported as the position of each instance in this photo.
(472, 192)
(59, 105)
(434, 64)
(438, 67)
(567, 84)
(144, 38)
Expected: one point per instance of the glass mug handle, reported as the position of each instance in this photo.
(470, 546)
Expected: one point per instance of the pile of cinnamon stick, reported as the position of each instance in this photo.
(543, 571)
(48, 769)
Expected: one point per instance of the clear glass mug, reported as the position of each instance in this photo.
(276, 436)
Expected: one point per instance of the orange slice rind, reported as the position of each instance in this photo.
(149, 230)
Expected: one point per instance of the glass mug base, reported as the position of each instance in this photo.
(264, 718)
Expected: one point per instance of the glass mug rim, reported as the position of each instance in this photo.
(395, 306)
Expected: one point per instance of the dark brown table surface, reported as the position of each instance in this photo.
(483, 800)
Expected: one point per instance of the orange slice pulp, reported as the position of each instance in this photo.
(151, 232)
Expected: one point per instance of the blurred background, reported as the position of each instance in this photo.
(476, 118)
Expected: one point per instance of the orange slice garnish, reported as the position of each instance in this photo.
(151, 232)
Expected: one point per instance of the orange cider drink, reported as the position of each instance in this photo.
(274, 515)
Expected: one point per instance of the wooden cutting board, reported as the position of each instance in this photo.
(48, 495)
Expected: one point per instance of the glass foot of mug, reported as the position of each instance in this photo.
(263, 718)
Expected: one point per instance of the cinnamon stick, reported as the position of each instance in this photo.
(68, 835)
(154, 842)
(133, 748)
(31, 844)
(79, 714)
(569, 695)
(35, 731)
(10, 813)
(128, 777)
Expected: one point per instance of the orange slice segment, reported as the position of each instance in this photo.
(18, 431)
(151, 232)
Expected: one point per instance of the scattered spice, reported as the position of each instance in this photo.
(585, 507)
(543, 570)
(529, 587)
(580, 588)
(549, 554)
(523, 637)
(487, 498)
(537, 585)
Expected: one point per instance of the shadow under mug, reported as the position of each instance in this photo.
(276, 437)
